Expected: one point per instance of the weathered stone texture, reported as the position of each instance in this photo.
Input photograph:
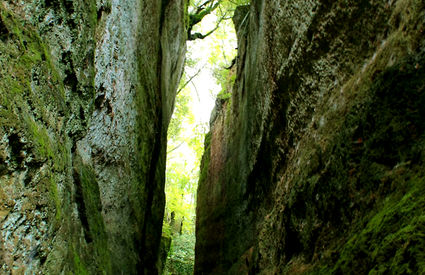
(300, 164)
(86, 94)
(138, 70)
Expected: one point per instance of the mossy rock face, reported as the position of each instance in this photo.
(96, 258)
(322, 153)
(392, 240)
(139, 61)
(364, 187)
(85, 102)
(35, 153)
(38, 108)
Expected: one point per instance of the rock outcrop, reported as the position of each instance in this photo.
(316, 162)
(86, 93)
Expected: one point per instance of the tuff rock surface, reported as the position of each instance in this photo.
(316, 162)
(86, 93)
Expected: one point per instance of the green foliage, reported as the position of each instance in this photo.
(166, 230)
(226, 79)
(186, 136)
(180, 190)
(222, 54)
(184, 143)
(182, 115)
(182, 255)
(184, 152)
(198, 10)
(228, 5)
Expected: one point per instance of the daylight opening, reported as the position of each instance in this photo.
(210, 51)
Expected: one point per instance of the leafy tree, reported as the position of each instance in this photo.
(185, 134)
(185, 150)
(198, 9)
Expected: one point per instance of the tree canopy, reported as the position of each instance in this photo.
(198, 9)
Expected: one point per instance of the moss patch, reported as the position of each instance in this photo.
(33, 109)
(31, 98)
(79, 267)
(372, 187)
(89, 206)
(205, 159)
(392, 241)
(354, 184)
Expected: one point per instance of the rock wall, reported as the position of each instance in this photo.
(86, 93)
(315, 164)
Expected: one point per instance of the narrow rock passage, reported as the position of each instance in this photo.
(311, 162)
(195, 101)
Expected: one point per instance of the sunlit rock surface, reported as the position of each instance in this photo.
(86, 93)
(316, 162)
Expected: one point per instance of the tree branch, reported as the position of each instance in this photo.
(199, 35)
(202, 6)
(175, 148)
(201, 11)
(190, 79)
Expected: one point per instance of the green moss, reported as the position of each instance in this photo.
(27, 51)
(393, 241)
(406, 25)
(25, 59)
(33, 106)
(226, 79)
(79, 267)
(53, 189)
(91, 207)
(32, 109)
(366, 183)
(45, 146)
(186, 14)
(205, 159)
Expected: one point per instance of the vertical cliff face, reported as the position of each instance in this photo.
(315, 164)
(138, 69)
(87, 90)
